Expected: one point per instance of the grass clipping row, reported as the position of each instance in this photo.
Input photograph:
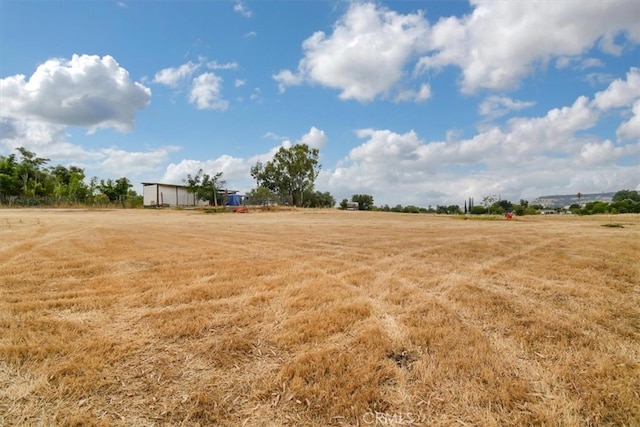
(139, 318)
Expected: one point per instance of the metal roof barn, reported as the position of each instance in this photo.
(158, 195)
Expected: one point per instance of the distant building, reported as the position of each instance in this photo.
(155, 194)
(352, 206)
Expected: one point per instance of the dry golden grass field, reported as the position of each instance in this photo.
(317, 318)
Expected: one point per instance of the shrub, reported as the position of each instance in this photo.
(478, 210)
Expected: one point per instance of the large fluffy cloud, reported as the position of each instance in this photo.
(365, 56)
(631, 128)
(620, 95)
(501, 42)
(236, 170)
(525, 157)
(86, 91)
(621, 92)
(372, 50)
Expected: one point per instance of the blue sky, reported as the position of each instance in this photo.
(413, 102)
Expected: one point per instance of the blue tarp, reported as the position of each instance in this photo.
(234, 200)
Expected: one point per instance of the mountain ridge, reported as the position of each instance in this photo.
(566, 200)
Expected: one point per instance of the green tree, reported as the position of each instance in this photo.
(597, 207)
(261, 196)
(67, 183)
(622, 195)
(318, 199)
(77, 190)
(207, 187)
(107, 189)
(626, 206)
(31, 174)
(117, 190)
(92, 189)
(343, 204)
(488, 201)
(478, 210)
(453, 209)
(501, 206)
(365, 201)
(256, 172)
(193, 184)
(9, 177)
(411, 209)
(292, 171)
(122, 187)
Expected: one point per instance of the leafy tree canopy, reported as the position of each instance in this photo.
(626, 195)
(317, 199)
(292, 172)
(207, 187)
(365, 201)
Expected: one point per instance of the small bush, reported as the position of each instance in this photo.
(478, 210)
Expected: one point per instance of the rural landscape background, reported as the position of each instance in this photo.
(317, 317)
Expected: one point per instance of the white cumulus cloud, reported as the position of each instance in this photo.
(119, 162)
(526, 157)
(205, 89)
(365, 56)
(236, 170)
(206, 93)
(631, 128)
(315, 138)
(52, 141)
(620, 93)
(373, 51)
(86, 91)
(172, 76)
(501, 42)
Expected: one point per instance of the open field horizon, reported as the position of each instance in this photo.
(317, 317)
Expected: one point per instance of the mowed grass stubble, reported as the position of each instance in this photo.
(138, 318)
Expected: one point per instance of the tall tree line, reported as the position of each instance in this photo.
(26, 178)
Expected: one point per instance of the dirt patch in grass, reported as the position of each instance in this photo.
(305, 317)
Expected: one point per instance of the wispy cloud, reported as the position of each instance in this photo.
(215, 65)
(242, 9)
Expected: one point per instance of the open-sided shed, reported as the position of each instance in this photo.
(155, 194)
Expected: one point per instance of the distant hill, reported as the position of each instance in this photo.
(559, 201)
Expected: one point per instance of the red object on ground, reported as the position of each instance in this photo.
(509, 215)
(242, 209)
